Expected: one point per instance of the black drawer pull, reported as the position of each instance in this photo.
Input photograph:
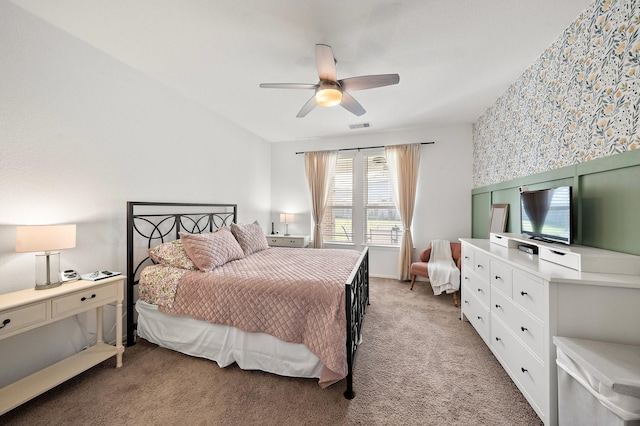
(480, 266)
(480, 290)
(479, 317)
(466, 301)
(523, 328)
(523, 293)
(93, 296)
(466, 257)
(498, 277)
(524, 370)
(5, 322)
(497, 306)
(559, 253)
(466, 278)
(498, 339)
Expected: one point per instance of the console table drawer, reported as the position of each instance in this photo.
(22, 317)
(79, 301)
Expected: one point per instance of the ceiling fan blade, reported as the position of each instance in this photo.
(351, 105)
(288, 86)
(325, 63)
(369, 81)
(311, 104)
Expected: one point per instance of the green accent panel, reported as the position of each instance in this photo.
(610, 206)
(481, 208)
(606, 197)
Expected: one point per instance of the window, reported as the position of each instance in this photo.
(382, 222)
(337, 223)
(361, 207)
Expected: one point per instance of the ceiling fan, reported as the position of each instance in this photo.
(329, 91)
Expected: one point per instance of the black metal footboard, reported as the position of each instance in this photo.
(357, 299)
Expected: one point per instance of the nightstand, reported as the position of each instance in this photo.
(25, 310)
(288, 240)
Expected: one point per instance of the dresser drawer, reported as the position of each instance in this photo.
(501, 277)
(529, 294)
(478, 287)
(481, 266)
(22, 317)
(477, 314)
(66, 305)
(528, 329)
(525, 369)
(467, 257)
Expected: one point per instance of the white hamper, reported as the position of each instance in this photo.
(598, 382)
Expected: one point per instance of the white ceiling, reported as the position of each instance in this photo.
(454, 57)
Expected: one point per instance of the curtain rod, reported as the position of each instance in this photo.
(365, 147)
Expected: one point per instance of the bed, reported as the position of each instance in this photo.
(292, 312)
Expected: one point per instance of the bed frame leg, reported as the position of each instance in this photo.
(349, 393)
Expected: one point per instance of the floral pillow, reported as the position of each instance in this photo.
(172, 254)
(208, 251)
(250, 237)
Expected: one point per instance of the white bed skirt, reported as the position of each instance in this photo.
(226, 345)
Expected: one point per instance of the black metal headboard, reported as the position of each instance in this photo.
(150, 224)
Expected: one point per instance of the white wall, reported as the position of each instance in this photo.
(443, 205)
(81, 134)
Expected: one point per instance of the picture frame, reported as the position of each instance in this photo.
(498, 218)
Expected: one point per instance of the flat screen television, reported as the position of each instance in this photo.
(546, 214)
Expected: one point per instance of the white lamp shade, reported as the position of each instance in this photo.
(286, 217)
(45, 238)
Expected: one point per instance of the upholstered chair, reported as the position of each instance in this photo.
(421, 268)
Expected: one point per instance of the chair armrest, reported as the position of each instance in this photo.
(425, 254)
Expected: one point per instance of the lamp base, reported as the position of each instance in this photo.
(47, 270)
(47, 286)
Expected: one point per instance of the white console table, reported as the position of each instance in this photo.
(25, 310)
(518, 301)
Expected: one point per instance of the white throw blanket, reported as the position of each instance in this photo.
(443, 273)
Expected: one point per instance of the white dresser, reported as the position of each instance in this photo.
(518, 301)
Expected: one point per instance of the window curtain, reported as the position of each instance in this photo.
(319, 167)
(404, 165)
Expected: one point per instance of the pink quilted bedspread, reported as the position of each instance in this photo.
(296, 295)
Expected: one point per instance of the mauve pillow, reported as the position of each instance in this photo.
(208, 251)
(171, 254)
(250, 237)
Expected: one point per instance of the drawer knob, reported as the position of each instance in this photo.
(524, 370)
(466, 301)
(498, 277)
(93, 296)
(480, 290)
(498, 339)
(523, 293)
(497, 306)
(479, 317)
(480, 266)
(466, 257)
(5, 322)
(523, 328)
(466, 278)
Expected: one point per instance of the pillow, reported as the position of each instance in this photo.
(171, 254)
(250, 237)
(208, 251)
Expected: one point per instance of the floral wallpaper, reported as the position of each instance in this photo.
(579, 101)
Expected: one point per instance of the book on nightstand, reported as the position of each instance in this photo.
(99, 275)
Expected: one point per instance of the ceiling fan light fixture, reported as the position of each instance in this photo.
(328, 94)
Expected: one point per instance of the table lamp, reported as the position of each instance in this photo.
(286, 218)
(46, 238)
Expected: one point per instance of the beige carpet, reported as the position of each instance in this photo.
(418, 365)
